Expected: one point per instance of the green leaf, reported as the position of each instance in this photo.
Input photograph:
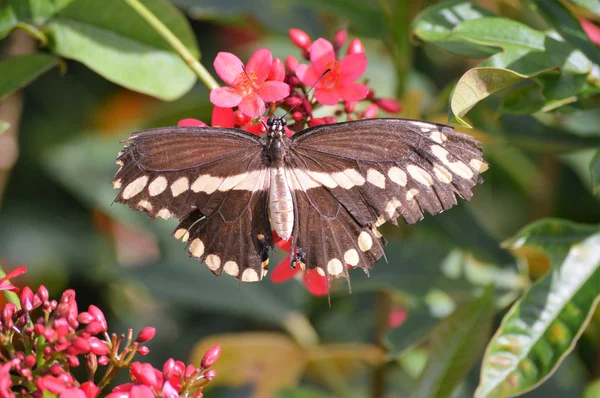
(456, 343)
(479, 83)
(125, 50)
(595, 173)
(303, 392)
(4, 126)
(436, 23)
(18, 71)
(542, 328)
(592, 390)
(591, 5)
(559, 17)
(33, 12)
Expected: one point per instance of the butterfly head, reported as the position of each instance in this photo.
(276, 126)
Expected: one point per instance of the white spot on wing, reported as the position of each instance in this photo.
(182, 234)
(232, 181)
(157, 186)
(213, 262)
(335, 267)
(436, 136)
(323, 178)
(376, 178)
(442, 174)
(144, 204)
(478, 165)
(197, 248)
(391, 207)
(412, 193)
(181, 185)
(250, 275)
(231, 268)
(135, 187)
(164, 213)
(397, 175)
(320, 271)
(365, 242)
(351, 257)
(117, 184)
(457, 167)
(206, 183)
(420, 175)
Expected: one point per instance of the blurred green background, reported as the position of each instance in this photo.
(57, 216)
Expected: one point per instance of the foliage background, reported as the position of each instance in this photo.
(111, 74)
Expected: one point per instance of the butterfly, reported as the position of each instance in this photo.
(328, 188)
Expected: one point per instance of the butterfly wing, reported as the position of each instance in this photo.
(378, 170)
(214, 181)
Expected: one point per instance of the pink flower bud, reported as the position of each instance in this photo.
(370, 94)
(339, 39)
(49, 335)
(371, 111)
(26, 297)
(389, 105)
(42, 293)
(316, 121)
(169, 368)
(98, 346)
(72, 392)
(297, 116)
(81, 345)
(291, 63)
(90, 389)
(300, 38)
(99, 316)
(52, 384)
(211, 356)
(190, 370)
(277, 71)
(143, 350)
(61, 326)
(192, 122)
(146, 374)
(145, 334)
(25, 372)
(30, 361)
(355, 47)
(85, 318)
(103, 360)
(73, 361)
(95, 327)
(330, 119)
(91, 363)
(241, 119)
(349, 106)
(210, 375)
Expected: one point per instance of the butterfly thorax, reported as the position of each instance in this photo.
(281, 205)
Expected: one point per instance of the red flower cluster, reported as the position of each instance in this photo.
(285, 85)
(41, 342)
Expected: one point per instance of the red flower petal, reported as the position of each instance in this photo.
(273, 91)
(225, 97)
(252, 105)
(141, 392)
(260, 63)
(316, 284)
(327, 97)
(591, 30)
(222, 117)
(283, 271)
(72, 392)
(228, 67)
(254, 129)
(352, 67)
(352, 91)
(277, 71)
(321, 55)
(307, 74)
(192, 122)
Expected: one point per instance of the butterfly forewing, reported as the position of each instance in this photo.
(214, 180)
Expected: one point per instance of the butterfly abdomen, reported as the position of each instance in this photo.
(281, 206)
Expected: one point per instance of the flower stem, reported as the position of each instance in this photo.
(11, 297)
(174, 42)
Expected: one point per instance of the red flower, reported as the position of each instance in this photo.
(249, 88)
(339, 81)
(5, 285)
(315, 283)
(591, 30)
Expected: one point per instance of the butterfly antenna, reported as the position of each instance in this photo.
(308, 92)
